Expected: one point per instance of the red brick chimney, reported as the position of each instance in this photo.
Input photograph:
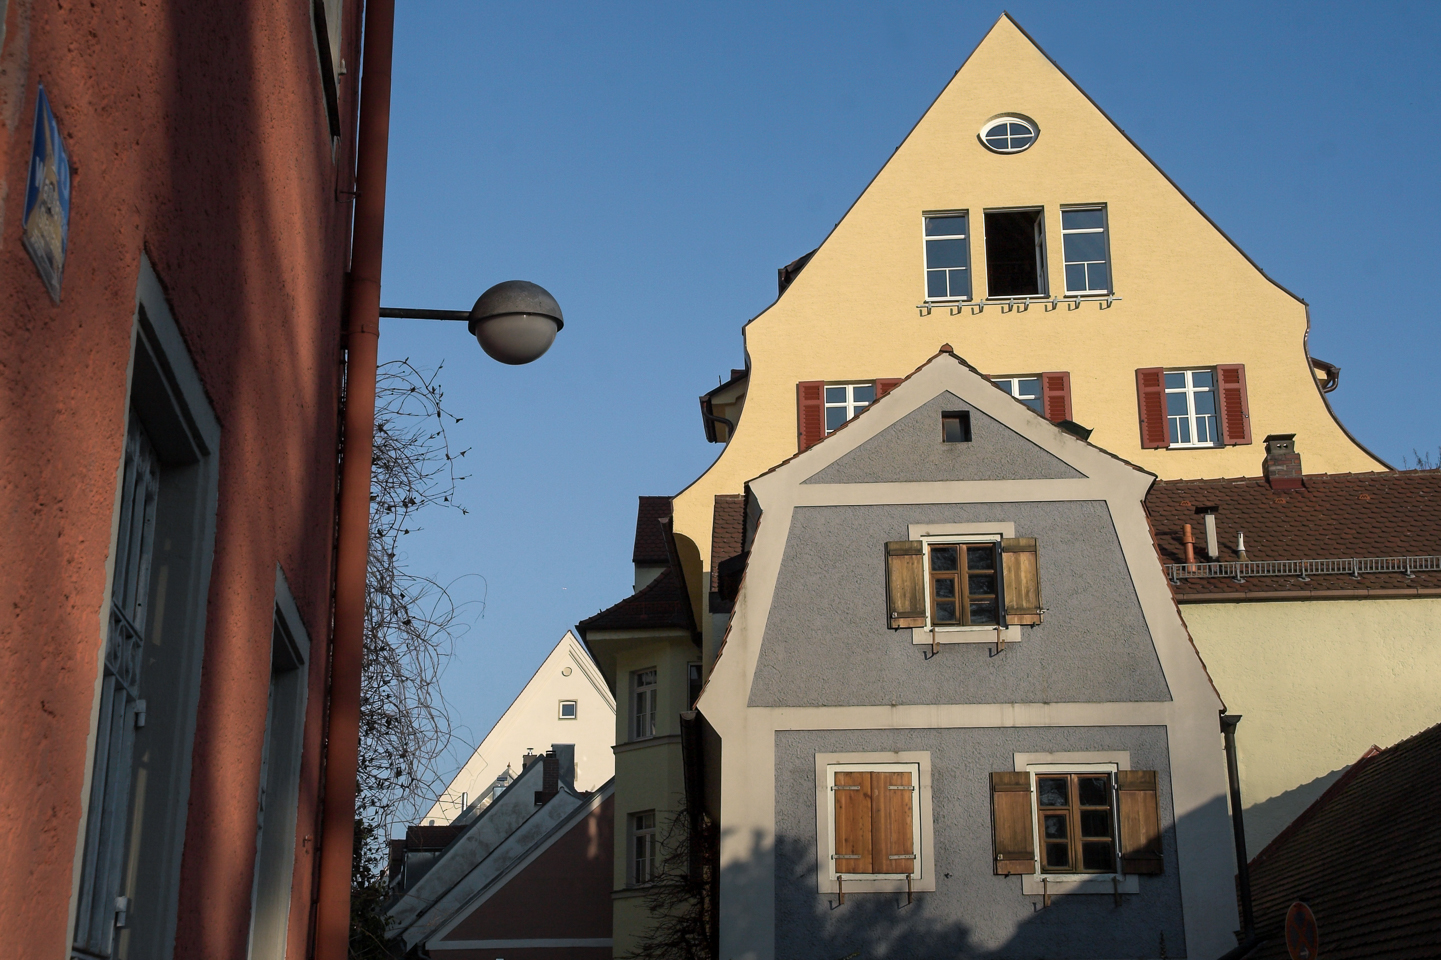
(1282, 466)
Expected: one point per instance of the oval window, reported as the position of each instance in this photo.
(1009, 134)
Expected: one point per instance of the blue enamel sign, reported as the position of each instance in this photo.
(46, 225)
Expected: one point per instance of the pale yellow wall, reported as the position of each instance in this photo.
(649, 777)
(1189, 298)
(1317, 683)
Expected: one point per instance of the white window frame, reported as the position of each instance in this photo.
(928, 533)
(634, 833)
(1009, 118)
(1012, 385)
(643, 695)
(167, 396)
(574, 710)
(926, 258)
(1105, 231)
(915, 762)
(850, 404)
(1108, 762)
(1191, 416)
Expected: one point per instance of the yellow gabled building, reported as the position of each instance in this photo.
(1020, 224)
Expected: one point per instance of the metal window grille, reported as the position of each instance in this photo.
(102, 908)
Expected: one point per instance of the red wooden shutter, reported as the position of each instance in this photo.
(810, 413)
(1151, 399)
(884, 387)
(892, 830)
(1140, 821)
(1015, 846)
(852, 791)
(1235, 411)
(1056, 395)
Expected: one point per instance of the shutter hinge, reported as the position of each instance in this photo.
(139, 714)
(895, 786)
(845, 856)
(122, 910)
(845, 786)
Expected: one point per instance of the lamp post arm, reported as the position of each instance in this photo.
(406, 313)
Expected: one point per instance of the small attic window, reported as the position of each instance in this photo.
(956, 426)
(1009, 133)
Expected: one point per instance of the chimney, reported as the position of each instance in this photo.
(527, 760)
(1282, 466)
(549, 778)
(565, 757)
(1213, 546)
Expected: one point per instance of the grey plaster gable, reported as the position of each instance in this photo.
(826, 643)
(910, 450)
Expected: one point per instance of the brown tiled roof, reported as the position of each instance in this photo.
(660, 603)
(728, 527)
(1362, 857)
(649, 537)
(1335, 516)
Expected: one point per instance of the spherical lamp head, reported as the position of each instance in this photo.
(516, 321)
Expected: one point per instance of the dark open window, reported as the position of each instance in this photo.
(1015, 253)
(956, 426)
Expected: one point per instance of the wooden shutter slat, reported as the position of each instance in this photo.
(1235, 410)
(853, 822)
(905, 584)
(1151, 401)
(810, 413)
(885, 386)
(1013, 842)
(1056, 395)
(893, 849)
(1140, 822)
(1021, 580)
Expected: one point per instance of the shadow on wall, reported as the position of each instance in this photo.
(1268, 818)
(813, 926)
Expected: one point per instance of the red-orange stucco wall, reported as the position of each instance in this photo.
(198, 134)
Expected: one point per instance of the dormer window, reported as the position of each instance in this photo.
(956, 426)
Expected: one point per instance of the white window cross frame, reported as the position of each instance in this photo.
(1195, 426)
(849, 398)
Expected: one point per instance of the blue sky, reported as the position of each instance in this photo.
(653, 164)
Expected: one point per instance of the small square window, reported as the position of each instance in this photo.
(567, 710)
(956, 426)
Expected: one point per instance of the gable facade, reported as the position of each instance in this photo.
(814, 695)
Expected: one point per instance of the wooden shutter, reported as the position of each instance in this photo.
(1056, 395)
(905, 585)
(1235, 411)
(1015, 846)
(884, 387)
(810, 413)
(1020, 577)
(852, 792)
(1140, 823)
(1151, 400)
(892, 830)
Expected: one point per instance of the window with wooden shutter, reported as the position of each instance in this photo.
(905, 584)
(1012, 839)
(874, 822)
(884, 387)
(1020, 578)
(1151, 402)
(852, 847)
(1235, 411)
(810, 413)
(1140, 824)
(1056, 395)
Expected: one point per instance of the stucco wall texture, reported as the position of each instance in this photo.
(198, 135)
(827, 644)
(911, 451)
(972, 912)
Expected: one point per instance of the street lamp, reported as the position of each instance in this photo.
(515, 321)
